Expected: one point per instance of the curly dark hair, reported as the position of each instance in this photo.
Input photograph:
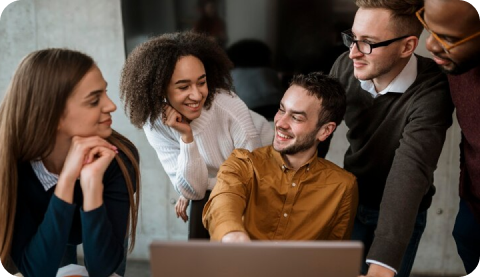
(149, 68)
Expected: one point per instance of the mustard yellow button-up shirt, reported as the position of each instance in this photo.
(258, 194)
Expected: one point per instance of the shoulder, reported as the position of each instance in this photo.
(341, 65)
(431, 86)
(229, 103)
(334, 173)
(257, 155)
(342, 69)
(429, 73)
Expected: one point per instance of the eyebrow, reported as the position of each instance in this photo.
(95, 93)
(366, 37)
(294, 111)
(188, 81)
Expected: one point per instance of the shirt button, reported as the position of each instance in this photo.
(293, 184)
(285, 215)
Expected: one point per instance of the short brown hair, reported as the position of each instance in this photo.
(329, 91)
(150, 66)
(403, 14)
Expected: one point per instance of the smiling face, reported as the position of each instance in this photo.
(188, 88)
(87, 112)
(296, 127)
(373, 25)
(453, 21)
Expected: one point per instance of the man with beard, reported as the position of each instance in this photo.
(454, 42)
(398, 112)
(284, 191)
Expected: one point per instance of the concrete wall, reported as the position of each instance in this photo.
(95, 27)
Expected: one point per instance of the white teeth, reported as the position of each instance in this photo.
(193, 105)
(283, 136)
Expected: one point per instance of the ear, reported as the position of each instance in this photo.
(409, 46)
(326, 130)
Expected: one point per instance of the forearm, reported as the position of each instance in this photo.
(409, 180)
(41, 253)
(223, 214)
(191, 176)
(103, 249)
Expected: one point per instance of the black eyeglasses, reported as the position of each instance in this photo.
(363, 46)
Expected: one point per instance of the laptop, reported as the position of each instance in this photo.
(256, 259)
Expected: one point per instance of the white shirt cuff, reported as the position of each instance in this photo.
(381, 264)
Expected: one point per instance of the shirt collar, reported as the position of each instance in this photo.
(398, 85)
(47, 179)
(283, 165)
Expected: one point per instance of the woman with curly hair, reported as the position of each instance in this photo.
(66, 178)
(177, 87)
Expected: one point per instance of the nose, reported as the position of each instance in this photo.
(195, 94)
(433, 45)
(109, 105)
(354, 52)
(281, 121)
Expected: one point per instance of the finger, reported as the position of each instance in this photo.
(172, 117)
(84, 144)
(100, 152)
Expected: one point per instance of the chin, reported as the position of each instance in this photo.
(105, 134)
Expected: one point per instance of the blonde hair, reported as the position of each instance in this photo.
(404, 20)
(29, 116)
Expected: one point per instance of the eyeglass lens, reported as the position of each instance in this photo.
(361, 46)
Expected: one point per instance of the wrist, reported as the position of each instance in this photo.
(92, 198)
(379, 271)
(187, 138)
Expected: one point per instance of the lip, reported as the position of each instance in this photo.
(281, 138)
(358, 64)
(440, 61)
(194, 109)
(107, 122)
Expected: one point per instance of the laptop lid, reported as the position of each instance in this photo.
(257, 258)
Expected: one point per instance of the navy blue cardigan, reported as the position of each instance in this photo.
(45, 224)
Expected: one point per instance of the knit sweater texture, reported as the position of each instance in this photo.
(465, 91)
(227, 125)
(395, 142)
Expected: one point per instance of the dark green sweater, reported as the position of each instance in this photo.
(395, 142)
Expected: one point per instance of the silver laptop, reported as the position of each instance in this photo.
(258, 258)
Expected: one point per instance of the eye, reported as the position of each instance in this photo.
(183, 88)
(280, 110)
(95, 102)
(449, 39)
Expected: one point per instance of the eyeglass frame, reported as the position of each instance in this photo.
(372, 45)
(445, 45)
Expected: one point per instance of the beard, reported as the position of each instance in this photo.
(462, 67)
(303, 143)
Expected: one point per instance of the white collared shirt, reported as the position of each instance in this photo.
(47, 178)
(399, 84)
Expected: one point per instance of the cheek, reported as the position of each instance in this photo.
(175, 101)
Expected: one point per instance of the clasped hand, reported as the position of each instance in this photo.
(87, 159)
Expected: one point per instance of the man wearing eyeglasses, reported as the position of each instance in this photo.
(454, 42)
(398, 112)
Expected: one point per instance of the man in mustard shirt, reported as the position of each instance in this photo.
(284, 191)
